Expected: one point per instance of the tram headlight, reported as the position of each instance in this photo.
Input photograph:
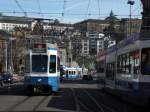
(39, 80)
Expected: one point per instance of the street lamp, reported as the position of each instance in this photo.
(11, 53)
(130, 2)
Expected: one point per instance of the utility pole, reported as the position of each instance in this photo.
(130, 2)
(6, 48)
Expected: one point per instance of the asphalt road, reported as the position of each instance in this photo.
(73, 96)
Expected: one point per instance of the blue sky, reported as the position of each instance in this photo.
(74, 10)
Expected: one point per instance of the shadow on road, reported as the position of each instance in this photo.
(13, 89)
(79, 81)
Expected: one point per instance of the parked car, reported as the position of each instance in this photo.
(1, 80)
(7, 78)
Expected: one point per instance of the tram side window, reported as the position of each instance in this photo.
(110, 70)
(27, 64)
(74, 72)
(69, 72)
(79, 72)
(145, 61)
(129, 63)
(100, 67)
(52, 68)
(58, 64)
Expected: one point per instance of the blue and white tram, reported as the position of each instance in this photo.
(127, 70)
(72, 72)
(42, 69)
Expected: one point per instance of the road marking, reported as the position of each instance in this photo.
(108, 108)
(39, 103)
(44, 103)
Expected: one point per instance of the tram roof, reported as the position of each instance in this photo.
(127, 41)
(72, 68)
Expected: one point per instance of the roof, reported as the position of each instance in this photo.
(14, 19)
(92, 21)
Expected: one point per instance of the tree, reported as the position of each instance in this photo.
(38, 28)
(19, 46)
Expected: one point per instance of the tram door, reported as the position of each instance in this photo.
(110, 75)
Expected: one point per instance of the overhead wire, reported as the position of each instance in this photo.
(39, 6)
(59, 13)
(87, 10)
(63, 11)
(21, 8)
(99, 10)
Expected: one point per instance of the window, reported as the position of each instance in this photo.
(110, 70)
(52, 65)
(85, 48)
(74, 73)
(145, 61)
(79, 72)
(100, 67)
(58, 64)
(27, 64)
(69, 72)
(128, 63)
(39, 63)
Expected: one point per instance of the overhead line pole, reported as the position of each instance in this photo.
(63, 12)
(99, 8)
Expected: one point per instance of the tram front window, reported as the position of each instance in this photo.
(145, 61)
(39, 63)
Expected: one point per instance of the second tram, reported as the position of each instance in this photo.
(125, 69)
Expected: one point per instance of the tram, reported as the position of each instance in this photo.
(72, 72)
(42, 72)
(124, 70)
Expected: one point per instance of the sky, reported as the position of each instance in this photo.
(70, 11)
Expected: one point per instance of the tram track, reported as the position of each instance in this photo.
(99, 104)
(39, 103)
(17, 104)
(79, 103)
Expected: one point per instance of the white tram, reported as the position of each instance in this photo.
(42, 68)
(125, 69)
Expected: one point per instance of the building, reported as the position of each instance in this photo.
(91, 26)
(8, 23)
(4, 60)
(125, 26)
(90, 30)
(85, 47)
(62, 55)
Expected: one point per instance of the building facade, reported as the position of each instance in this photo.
(8, 23)
(125, 26)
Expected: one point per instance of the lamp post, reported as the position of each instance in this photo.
(130, 2)
(11, 53)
